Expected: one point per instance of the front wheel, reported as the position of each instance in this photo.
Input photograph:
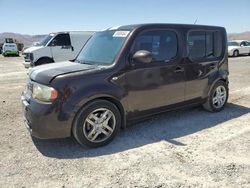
(217, 98)
(97, 123)
(236, 53)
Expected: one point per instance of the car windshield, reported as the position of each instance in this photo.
(45, 40)
(102, 48)
(233, 44)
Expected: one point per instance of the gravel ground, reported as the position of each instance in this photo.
(185, 148)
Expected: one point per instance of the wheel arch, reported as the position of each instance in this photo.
(236, 49)
(43, 58)
(224, 79)
(213, 79)
(108, 98)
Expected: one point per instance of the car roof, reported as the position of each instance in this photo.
(136, 26)
(73, 32)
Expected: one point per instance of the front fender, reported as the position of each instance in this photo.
(115, 94)
(78, 92)
(40, 53)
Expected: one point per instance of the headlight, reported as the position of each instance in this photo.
(44, 93)
(28, 57)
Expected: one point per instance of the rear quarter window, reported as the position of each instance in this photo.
(203, 45)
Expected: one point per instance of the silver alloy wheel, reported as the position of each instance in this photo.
(219, 96)
(99, 125)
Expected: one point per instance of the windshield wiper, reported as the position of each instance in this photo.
(83, 62)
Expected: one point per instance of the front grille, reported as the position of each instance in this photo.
(28, 57)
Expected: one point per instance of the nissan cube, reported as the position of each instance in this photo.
(124, 74)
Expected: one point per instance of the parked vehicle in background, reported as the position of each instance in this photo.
(238, 47)
(56, 47)
(124, 74)
(10, 49)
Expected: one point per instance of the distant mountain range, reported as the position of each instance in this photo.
(28, 40)
(239, 36)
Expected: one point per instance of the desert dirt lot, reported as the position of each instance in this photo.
(184, 148)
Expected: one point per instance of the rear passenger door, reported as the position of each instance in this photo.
(61, 48)
(204, 54)
(161, 82)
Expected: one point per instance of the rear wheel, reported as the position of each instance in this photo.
(217, 98)
(97, 123)
(236, 53)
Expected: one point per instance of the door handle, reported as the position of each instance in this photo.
(179, 69)
(64, 47)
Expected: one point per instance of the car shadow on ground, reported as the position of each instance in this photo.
(241, 55)
(168, 127)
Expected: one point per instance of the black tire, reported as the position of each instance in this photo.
(44, 61)
(208, 105)
(80, 121)
(236, 53)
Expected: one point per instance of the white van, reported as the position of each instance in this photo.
(56, 47)
(10, 49)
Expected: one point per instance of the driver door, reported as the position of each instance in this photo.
(61, 48)
(159, 83)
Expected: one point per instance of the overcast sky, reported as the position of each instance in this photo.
(45, 16)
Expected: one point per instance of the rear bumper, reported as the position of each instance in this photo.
(42, 121)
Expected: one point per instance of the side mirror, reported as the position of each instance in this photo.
(142, 56)
(53, 42)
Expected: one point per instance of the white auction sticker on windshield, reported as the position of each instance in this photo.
(121, 34)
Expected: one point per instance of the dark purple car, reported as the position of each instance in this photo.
(125, 74)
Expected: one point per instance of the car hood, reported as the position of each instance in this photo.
(232, 47)
(45, 73)
(32, 49)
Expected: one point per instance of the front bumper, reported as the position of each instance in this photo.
(26, 64)
(43, 120)
(230, 53)
(11, 53)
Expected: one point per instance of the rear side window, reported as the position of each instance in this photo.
(162, 44)
(204, 45)
(61, 40)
